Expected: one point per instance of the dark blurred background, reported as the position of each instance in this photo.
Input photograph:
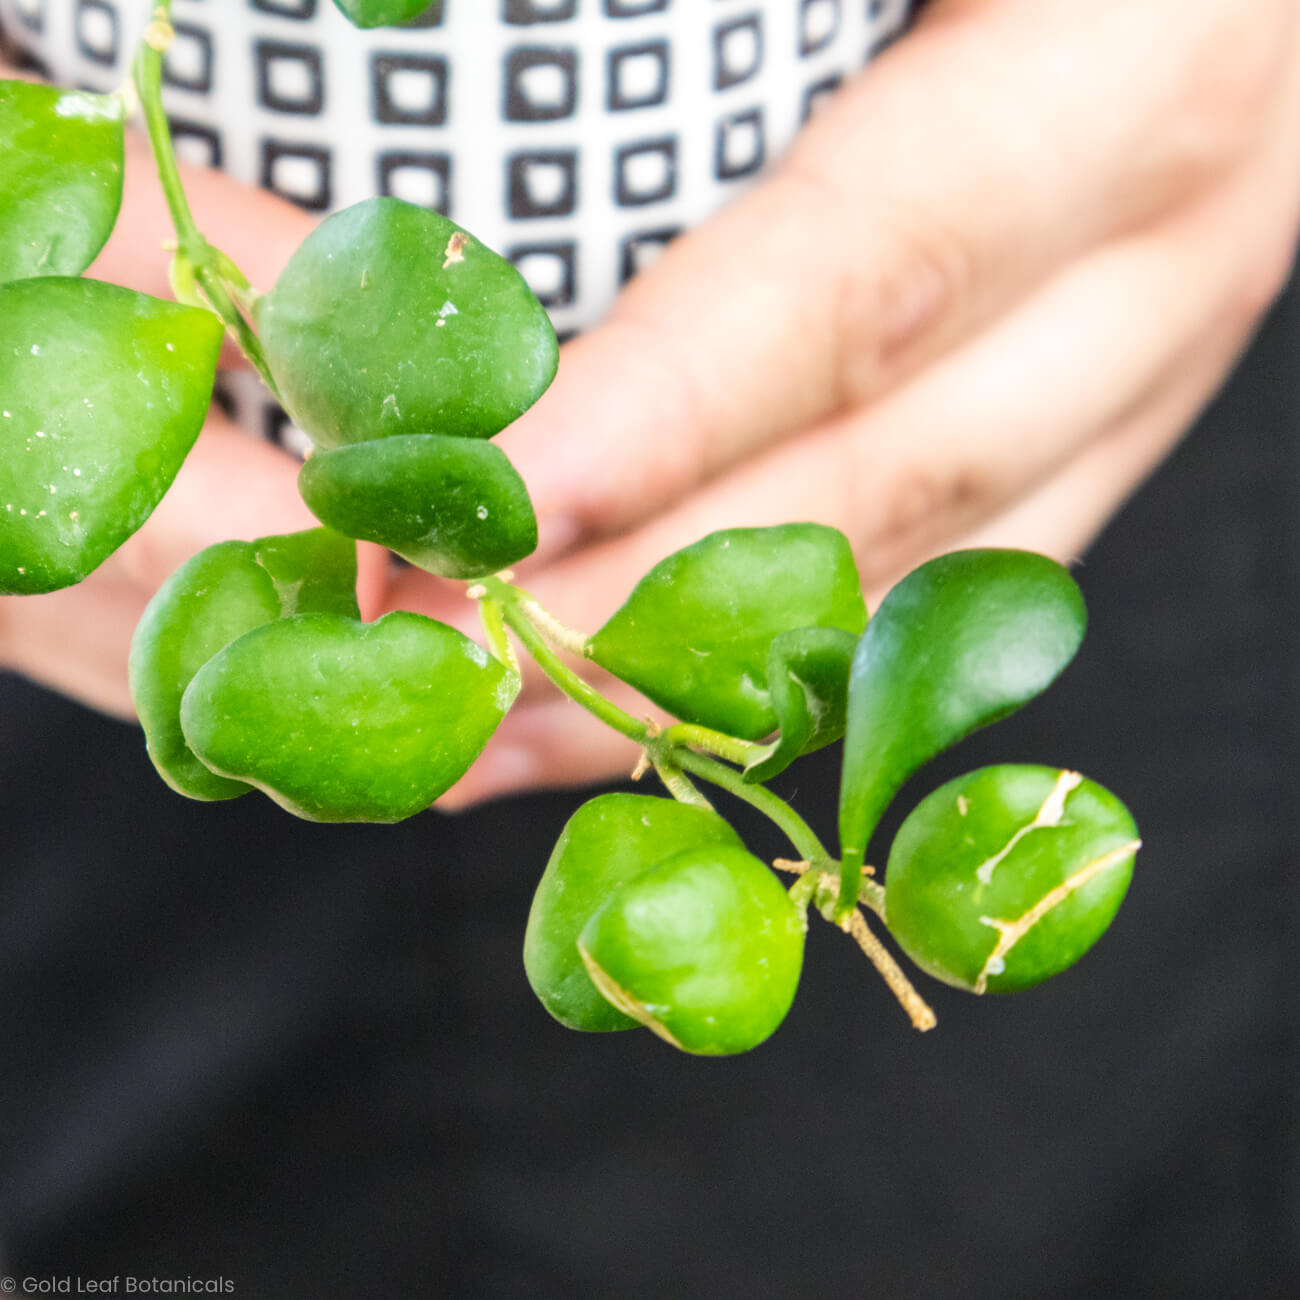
(306, 1059)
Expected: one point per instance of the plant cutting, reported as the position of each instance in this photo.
(401, 346)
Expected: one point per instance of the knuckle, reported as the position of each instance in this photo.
(907, 290)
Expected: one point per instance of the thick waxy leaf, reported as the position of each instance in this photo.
(960, 642)
(384, 13)
(344, 721)
(211, 600)
(808, 678)
(704, 948)
(609, 840)
(390, 319)
(60, 178)
(453, 506)
(1007, 875)
(694, 634)
(102, 394)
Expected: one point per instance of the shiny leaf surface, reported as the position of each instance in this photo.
(453, 506)
(609, 840)
(695, 632)
(705, 949)
(390, 319)
(102, 394)
(211, 600)
(344, 721)
(1007, 875)
(960, 642)
(60, 178)
(808, 679)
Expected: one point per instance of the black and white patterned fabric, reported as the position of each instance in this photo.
(576, 136)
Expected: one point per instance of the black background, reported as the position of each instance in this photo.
(305, 1058)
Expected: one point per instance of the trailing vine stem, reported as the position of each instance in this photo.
(661, 746)
(212, 271)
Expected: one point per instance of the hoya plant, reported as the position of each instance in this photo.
(401, 346)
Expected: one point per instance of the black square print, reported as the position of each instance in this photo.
(523, 13)
(297, 172)
(297, 9)
(423, 178)
(542, 184)
(637, 76)
(642, 248)
(196, 143)
(550, 269)
(817, 94)
(819, 21)
(541, 85)
(738, 146)
(409, 89)
(737, 50)
(289, 77)
(645, 172)
(31, 13)
(188, 61)
(431, 17)
(277, 428)
(634, 8)
(97, 34)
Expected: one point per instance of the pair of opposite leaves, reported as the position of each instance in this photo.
(653, 913)
(398, 342)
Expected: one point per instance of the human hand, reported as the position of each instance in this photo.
(76, 640)
(983, 295)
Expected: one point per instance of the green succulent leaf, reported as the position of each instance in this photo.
(341, 721)
(808, 678)
(453, 506)
(102, 394)
(211, 600)
(960, 642)
(1007, 875)
(390, 319)
(704, 948)
(609, 840)
(695, 632)
(60, 178)
(384, 13)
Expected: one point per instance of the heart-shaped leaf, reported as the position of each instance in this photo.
(384, 13)
(102, 394)
(694, 634)
(808, 679)
(609, 840)
(960, 642)
(390, 319)
(453, 506)
(341, 721)
(704, 948)
(60, 178)
(211, 600)
(1007, 875)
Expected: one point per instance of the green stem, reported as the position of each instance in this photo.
(515, 609)
(772, 806)
(712, 742)
(557, 670)
(209, 264)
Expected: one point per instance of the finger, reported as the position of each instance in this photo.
(920, 205)
(550, 743)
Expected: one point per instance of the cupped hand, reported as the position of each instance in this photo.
(980, 299)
